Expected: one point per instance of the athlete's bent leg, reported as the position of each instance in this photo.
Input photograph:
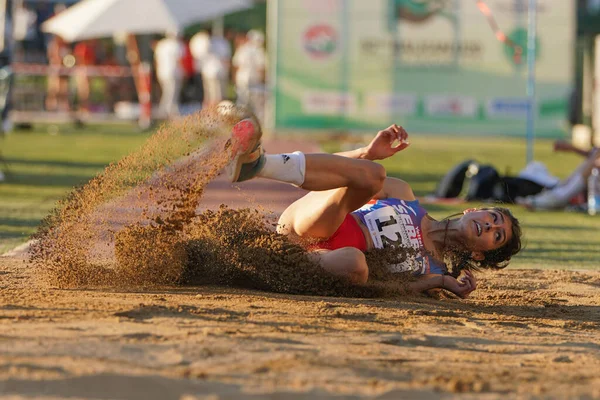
(320, 213)
(312, 172)
(338, 184)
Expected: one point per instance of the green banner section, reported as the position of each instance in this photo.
(432, 66)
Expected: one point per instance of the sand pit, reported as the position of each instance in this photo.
(524, 334)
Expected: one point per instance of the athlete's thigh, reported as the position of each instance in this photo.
(319, 214)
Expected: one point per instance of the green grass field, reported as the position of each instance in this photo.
(45, 167)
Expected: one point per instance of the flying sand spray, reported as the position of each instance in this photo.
(136, 225)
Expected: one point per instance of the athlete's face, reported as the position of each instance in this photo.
(485, 230)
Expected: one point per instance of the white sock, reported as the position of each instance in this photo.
(287, 167)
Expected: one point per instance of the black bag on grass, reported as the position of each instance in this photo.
(452, 183)
(482, 184)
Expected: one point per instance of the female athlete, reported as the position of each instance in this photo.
(353, 207)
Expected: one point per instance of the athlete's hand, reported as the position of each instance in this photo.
(461, 287)
(384, 144)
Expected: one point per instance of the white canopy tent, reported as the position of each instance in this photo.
(103, 18)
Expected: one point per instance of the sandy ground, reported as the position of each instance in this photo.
(523, 334)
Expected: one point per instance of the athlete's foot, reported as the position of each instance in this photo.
(247, 154)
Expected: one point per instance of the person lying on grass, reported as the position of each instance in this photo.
(353, 207)
(564, 191)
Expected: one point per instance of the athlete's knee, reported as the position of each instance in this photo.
(356, 264)
(372, 176)
(346, 262)
(379, 175)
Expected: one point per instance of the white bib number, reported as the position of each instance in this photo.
(386, 229)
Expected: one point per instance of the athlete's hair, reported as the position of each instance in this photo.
(493, 259)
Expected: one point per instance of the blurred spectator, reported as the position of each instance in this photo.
(230, 37)
(189, 75)
(249, 62)
(168, 54)
(58, 85)
(213, 74)
(85, 56)
(569, 190)
(209, 55)
(200, 47)
(221, 47)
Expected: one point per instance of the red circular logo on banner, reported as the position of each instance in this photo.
(320, 41)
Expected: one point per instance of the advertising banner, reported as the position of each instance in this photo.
(431, 65)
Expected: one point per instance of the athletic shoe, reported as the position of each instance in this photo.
(247, 154)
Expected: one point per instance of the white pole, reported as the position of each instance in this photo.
(531, 49)
(596, 94)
